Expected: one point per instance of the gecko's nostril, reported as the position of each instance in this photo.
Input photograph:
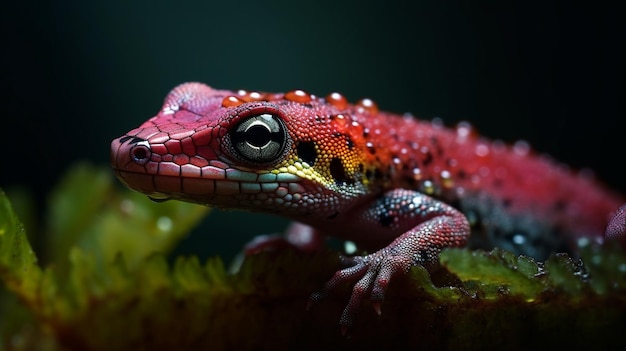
(140, 154)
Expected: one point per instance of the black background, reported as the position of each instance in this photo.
(76, 74)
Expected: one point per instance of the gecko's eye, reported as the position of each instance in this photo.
(259, 138)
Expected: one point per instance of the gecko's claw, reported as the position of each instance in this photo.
(377, 307)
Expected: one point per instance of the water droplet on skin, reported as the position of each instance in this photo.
(250, 96)
(521, 148)
(482, 150)
(367, 105)
(408, 116)
(337, 100)
(475, 179)
(255, 95)
(417, 174)
(446, 179)
(428, 187)
(298, 96)
(232, 101)
(437, 122)
(463, 129)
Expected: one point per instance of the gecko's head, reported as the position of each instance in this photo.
(249, 150)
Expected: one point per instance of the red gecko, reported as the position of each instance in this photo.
(402, 188)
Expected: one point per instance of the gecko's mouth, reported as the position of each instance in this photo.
(142, 183)
(216, 182)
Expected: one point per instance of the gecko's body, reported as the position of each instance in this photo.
(404, 187)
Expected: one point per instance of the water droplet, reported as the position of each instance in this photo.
(463, 129)
(521, 148)
(255, 95)
(437, 122)
(417, 174)
(127, 206)
(164, 223)
(232, 101)
(250, 96)
(482, 150)
(337, 100)
(298, 96)
(367, 105)
(446, 179)
(519, 239)
(428, 187)
(349, 247)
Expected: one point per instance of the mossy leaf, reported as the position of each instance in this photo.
(497, 272)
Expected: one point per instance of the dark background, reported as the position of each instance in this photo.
(77, 74)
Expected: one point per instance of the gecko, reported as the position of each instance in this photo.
(401, 188)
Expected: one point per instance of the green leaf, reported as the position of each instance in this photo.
(498, 272)
(88, 211)
(18, 263)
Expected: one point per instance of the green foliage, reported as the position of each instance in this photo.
(106, 284)
(87, 210)
(600, 271)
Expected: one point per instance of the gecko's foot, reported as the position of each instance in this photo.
(372, 274)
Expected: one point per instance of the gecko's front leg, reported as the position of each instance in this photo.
(434, 225)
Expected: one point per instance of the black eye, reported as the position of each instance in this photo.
(260, 138)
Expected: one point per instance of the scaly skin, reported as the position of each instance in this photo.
(402, 188)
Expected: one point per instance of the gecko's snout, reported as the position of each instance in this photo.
(129, 150)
